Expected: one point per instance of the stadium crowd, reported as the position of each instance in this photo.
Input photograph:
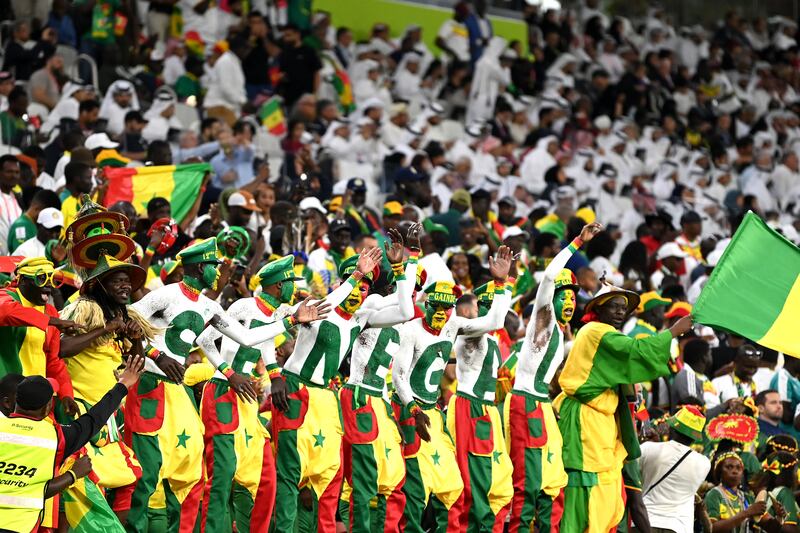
(389, 286)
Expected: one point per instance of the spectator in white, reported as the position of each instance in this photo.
(364, 146)
(337, 139)
(233, 166)
(393, 131)
(371, 85)
(226, 92)
(674, 262)
(672, 472)
(6, 86)
(344, 50)
(739, 383)
(173, 63)
(408, 78)
(44, 87)
(711, 261)
(161, 118)
(380, 39)
(757, 179)
(68, 107)
(120, 98)
(492, 76)
(453, 35)
(537, 162)
(9, 205)
(785, 177)
(49, 224)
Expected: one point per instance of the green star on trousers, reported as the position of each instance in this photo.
(319, 439)
(182, 438)
(496, 457)
(247, 438)
(386, 450)
(436, 457)
(549, 456)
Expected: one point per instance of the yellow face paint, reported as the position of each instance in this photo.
(353, 300)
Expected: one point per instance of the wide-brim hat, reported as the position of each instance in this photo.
(609, 291)
(106, 264)
(87, 252)
(688, 421)
(107, 220)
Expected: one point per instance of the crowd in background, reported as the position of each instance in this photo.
(666, 135)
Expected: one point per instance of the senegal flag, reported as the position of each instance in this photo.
(754, 291)
(180, 184)
(86, 508)
(272, 118)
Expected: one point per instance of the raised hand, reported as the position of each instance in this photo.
(680, 327)
(309, 312)
(500, 264)
(394, 252)
(590, 230)
(368, 260)
(413, 236)
(133, 370)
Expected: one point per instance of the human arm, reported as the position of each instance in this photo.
(79, 432)
(401, 373)
(494, 319)
(72, 345)
(402, 309)
(730, 524)
(13, 313)
(80, 468)
(190, 216)
(56, 369)
(202, 151)
(544, 294)
(637, 509)
(366, 262)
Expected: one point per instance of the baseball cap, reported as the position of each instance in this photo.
(670, 249)
(392, 208)
(99, 140)
(338, 225)
(508, 201)
(50, 218)
(311, 202)
(34, 392)
(514, 231)
(243, 199)
(461, 197)
(356, 185)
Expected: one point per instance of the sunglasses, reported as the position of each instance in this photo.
(43, 278)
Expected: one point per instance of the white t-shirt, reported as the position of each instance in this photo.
(30, 248)
(670, 504)
(456, 37)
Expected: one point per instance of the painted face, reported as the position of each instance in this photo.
(483, 306)
(356, 298)
(437, 315)
(210, 276)
(564, 305)
(287, 291)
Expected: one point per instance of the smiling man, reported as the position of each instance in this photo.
(596, 423)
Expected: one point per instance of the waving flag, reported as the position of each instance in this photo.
(86, 509)
(272, 118)
(754, 291)
(180, 184)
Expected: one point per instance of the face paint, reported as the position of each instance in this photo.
(564, 305)
(210, 275)
(287, 291)
(355, 298)
(483, 307)
(436, 316)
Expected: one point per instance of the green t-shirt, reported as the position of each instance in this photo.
(721, 504)
(786, 499)
(187, 86)
(20, 231)
(13, 129)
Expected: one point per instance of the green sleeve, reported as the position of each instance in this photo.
(713, 502)
(7, 126)
(632, 475)
(622, 360)
(786, 499)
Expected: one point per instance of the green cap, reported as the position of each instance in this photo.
(430, 227)
(485, 293)
(444, 293)
(106, 264)
(203, 252)
(348, 266)
(276, 271)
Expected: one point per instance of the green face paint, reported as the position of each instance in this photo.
(287, 291)
(564, 305)
(210, 275)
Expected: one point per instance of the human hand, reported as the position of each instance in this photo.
(63, 325)
(82, 466)
(368, 260)
(423, 422)
(133, 370)
(309, 312)
(169, 366)
(413, 236)
(590, 230)
(59, 252)
(280, 400)
(500, 264)
(680, 327)
(133, 330)
(394, 251)
(156, 238)
(116, 324)
(243, 387)
(756, 509)
(213, 214)
(70, 406)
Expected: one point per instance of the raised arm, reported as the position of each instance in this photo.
(544, 294)
(366, 262)
(498, 268)
(402, 309)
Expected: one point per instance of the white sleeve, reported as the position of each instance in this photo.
(401, 366)
(401, 310)
(544, 294)
(493, 320)
(246, 337)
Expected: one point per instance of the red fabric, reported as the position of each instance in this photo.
(123, 495)
(395, 505)
(281, 422)
(350, 416)
(519, 419)
(134, 423)
(213, 425)
(190, 506)
(13, 313)
(264, 502)
(651, 244)
(329, 502)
